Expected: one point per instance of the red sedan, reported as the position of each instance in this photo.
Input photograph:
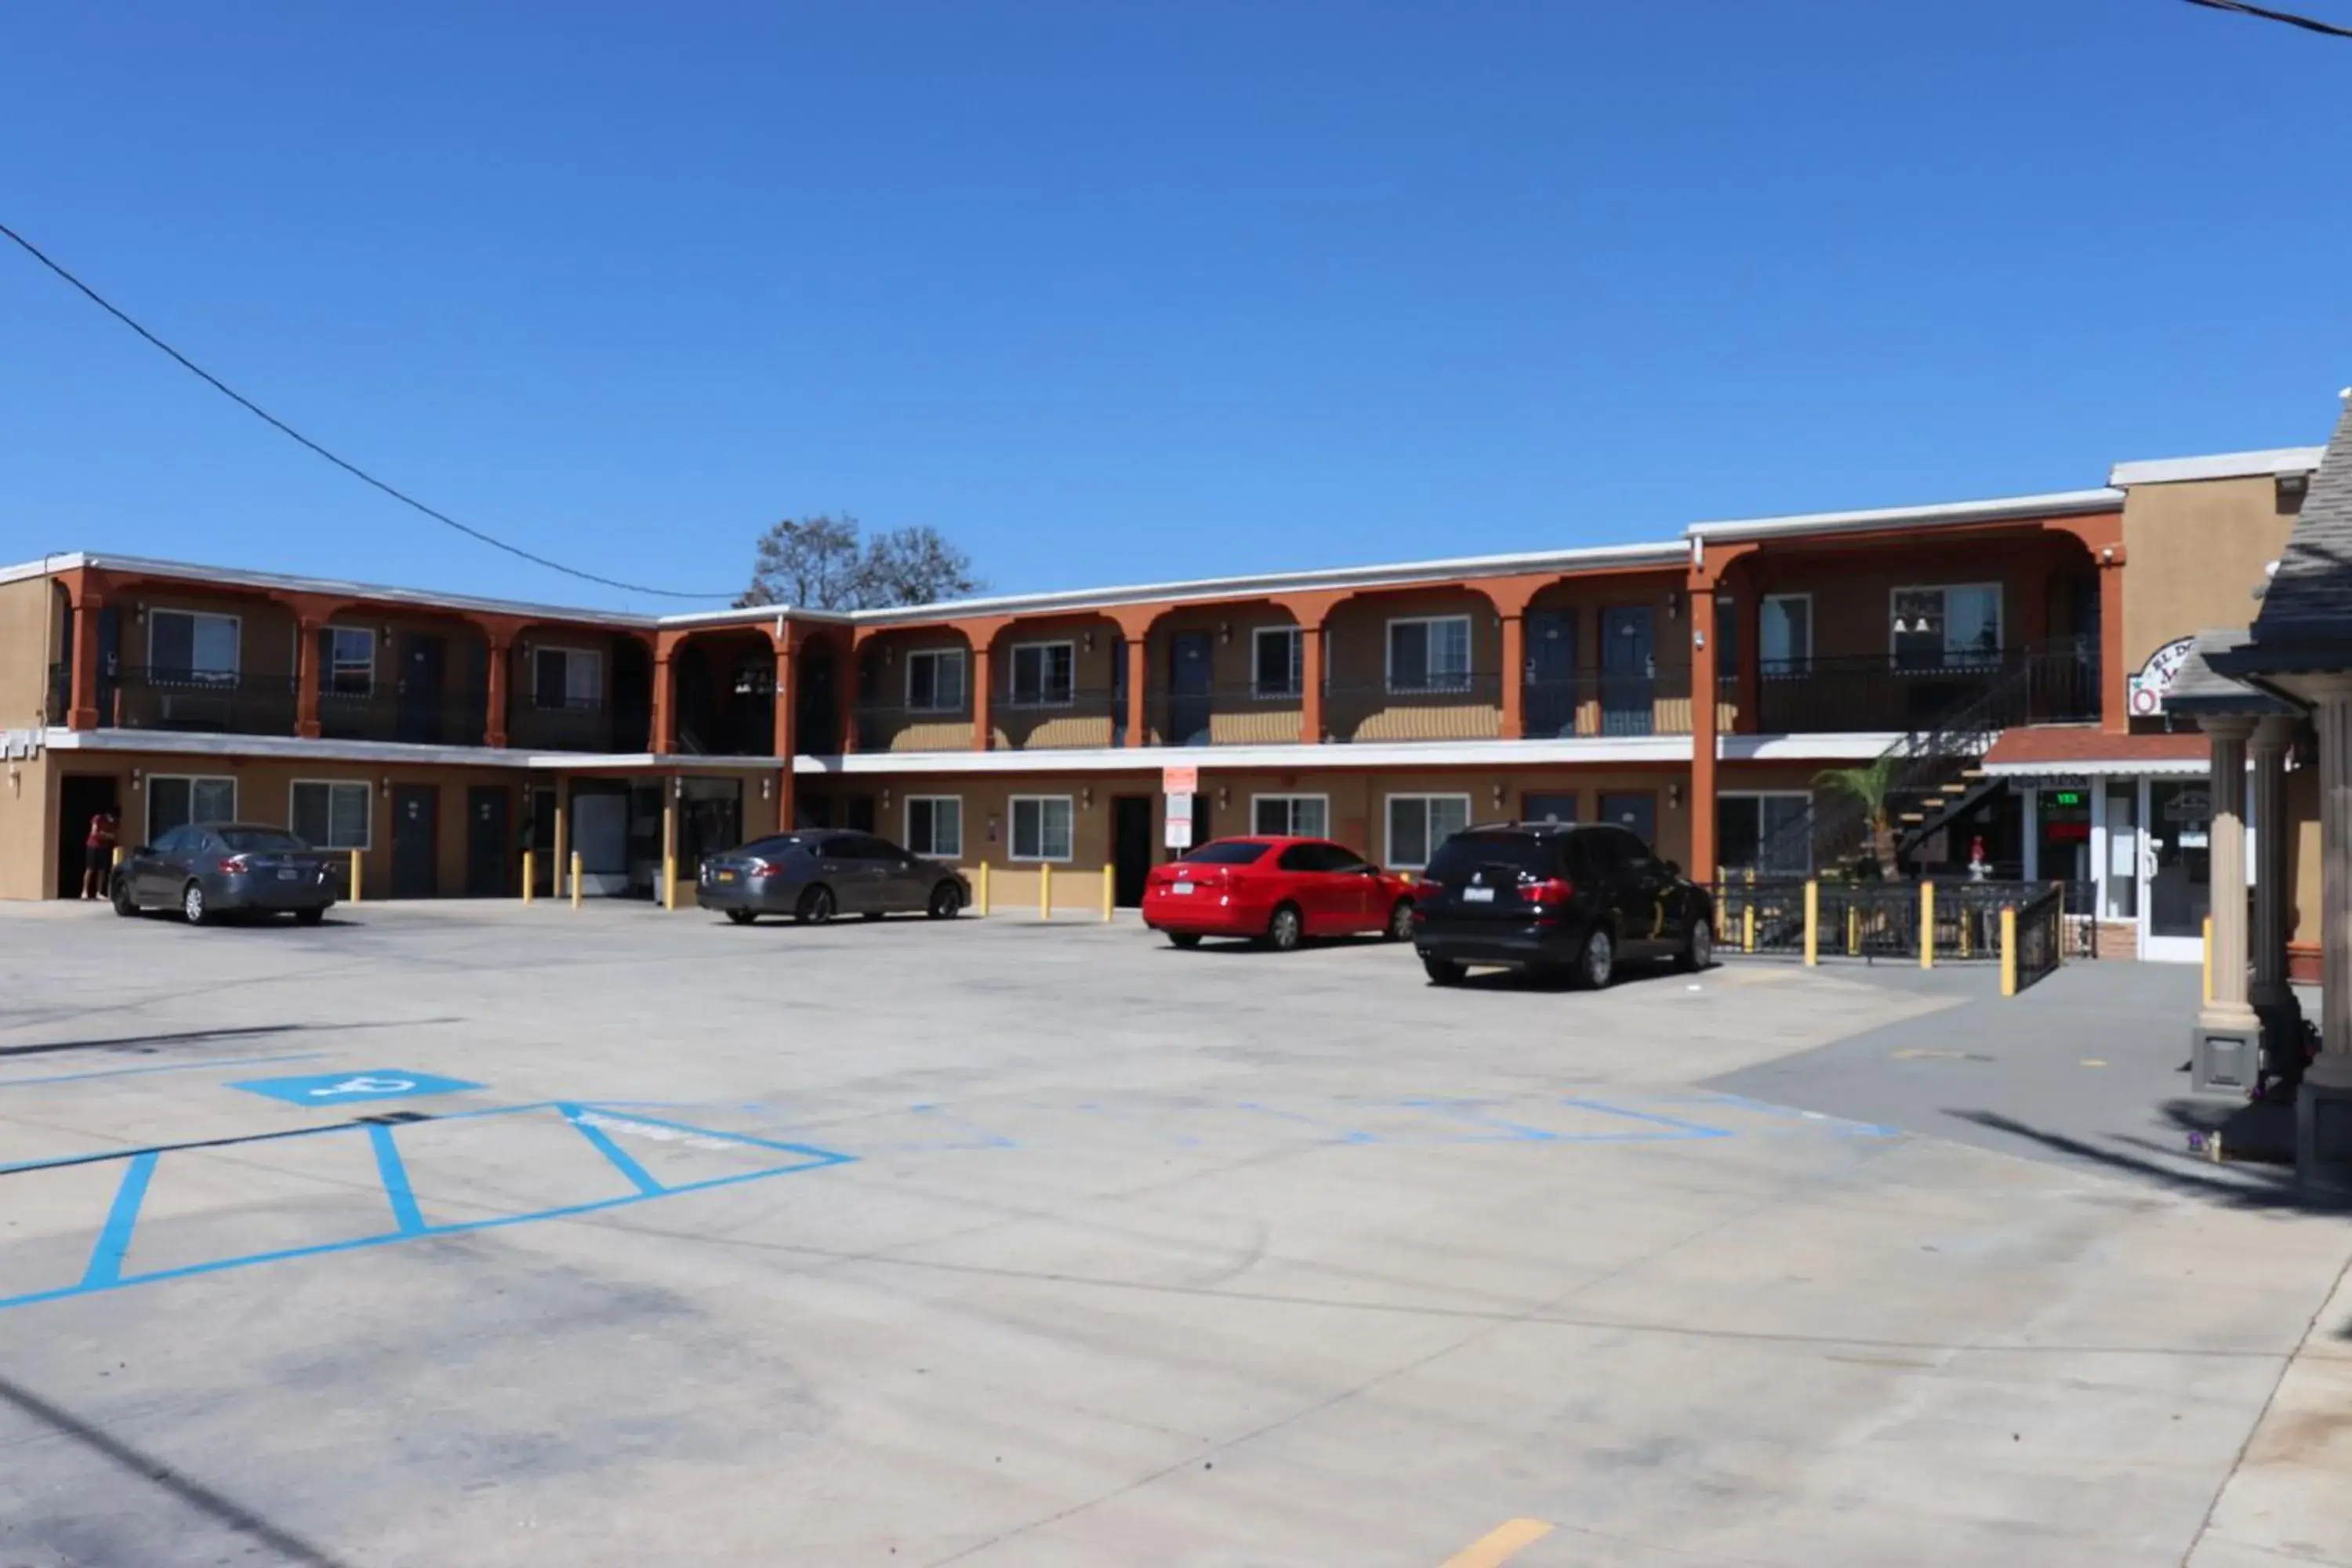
(1277, 891)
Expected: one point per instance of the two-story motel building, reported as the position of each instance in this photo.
(1691, 689)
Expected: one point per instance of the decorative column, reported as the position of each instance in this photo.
(2226, 853)
(665, 724)
(308, 657)
(82, 704)
(2114, 703)
(1138, 663)
(2272, 996)
(786, 739)
(494, 727)
(980, 721)
(1515, 675)
(2323, 1112)
(1310, 681)
(1703, 867)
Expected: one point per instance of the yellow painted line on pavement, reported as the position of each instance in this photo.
(1501, 1545)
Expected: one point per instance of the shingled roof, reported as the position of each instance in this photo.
(2306, 622)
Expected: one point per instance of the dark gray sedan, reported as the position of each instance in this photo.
(816, 873)
(211, 873)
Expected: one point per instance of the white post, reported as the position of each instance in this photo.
(2226, 848)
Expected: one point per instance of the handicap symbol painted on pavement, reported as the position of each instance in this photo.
(339, 1089)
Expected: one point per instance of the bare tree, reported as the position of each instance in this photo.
(827, 564)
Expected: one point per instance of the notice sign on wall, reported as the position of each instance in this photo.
(2155, 678)
(1179, 834)
(1176, 781)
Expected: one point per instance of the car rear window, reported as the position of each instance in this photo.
(1465, 853)
(258, 840)
(1227, 852)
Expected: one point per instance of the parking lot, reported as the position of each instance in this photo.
(478, 1234)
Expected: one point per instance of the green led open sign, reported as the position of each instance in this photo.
(2067, 798)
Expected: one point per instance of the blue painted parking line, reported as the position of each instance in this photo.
(1677, 1127)
(114, 1237)
(394, 1173)
(105, 1271)
(348, 1088)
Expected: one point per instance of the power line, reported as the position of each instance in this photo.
(2308, 24)
(103, 303)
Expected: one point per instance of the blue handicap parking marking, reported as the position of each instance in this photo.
(346, 1088)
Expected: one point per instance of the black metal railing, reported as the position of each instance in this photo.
(148, 698)
(575, 724)
(901, 727)
(1840, 696)
(1882, 921)
(2041, 935)
(1049, 718)
(1607, 704)
(1232, 714)
(1440, 708)
(411, 718)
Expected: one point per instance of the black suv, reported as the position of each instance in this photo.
(1545, 896)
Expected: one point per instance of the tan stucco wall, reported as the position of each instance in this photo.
(2195, 552)
(26, 806)
(28, 644)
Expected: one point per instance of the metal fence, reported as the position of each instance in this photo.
(1961, 921)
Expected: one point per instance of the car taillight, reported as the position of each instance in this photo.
(236, 865)
(1427, 892)
(755, 867)
(1551, 891)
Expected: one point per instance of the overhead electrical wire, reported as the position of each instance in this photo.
(209, 379)
(2308, 24)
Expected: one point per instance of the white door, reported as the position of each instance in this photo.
(2176, 889)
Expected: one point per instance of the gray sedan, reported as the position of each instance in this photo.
(224, 869)
(817, 873)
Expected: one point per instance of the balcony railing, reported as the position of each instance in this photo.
(1607, 704)
(1227, 715)
(392, 715)
(1876, 694)
(576, 724)
(146, 697)
(1043, 720)
(1456, 708)
(897, 726)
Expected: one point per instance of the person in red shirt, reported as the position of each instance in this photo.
(98, 855)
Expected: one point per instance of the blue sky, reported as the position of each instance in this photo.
(1112, 293)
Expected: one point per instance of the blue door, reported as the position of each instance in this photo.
(1188, 688)
(1627, 670)
(1549, 694)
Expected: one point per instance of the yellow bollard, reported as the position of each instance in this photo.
(1968, 918)
(575, 878)
(355, 876)
(1926, 925)
(2009, 951)
(2209, 959)
(529, 875)
(117, 862)
(1852, 928)
(980, 890)
(1748, 927)
(1110, 895)
(1813, 924)
(1044, 892)
(669, 881)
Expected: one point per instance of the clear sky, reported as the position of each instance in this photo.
(1115, 292)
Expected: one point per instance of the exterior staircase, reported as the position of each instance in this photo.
(1937, 773)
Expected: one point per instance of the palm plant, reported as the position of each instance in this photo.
(1871, 785)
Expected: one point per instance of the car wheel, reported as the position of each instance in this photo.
(816, 907)
(946, 901)
(1698, 947)
(309, 917)
(193, 905)
(1184, 938)
(1600, 961)
(1400, 927)
(742, 917)
(1286, 930)
(124, 904)
(1442, 971)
